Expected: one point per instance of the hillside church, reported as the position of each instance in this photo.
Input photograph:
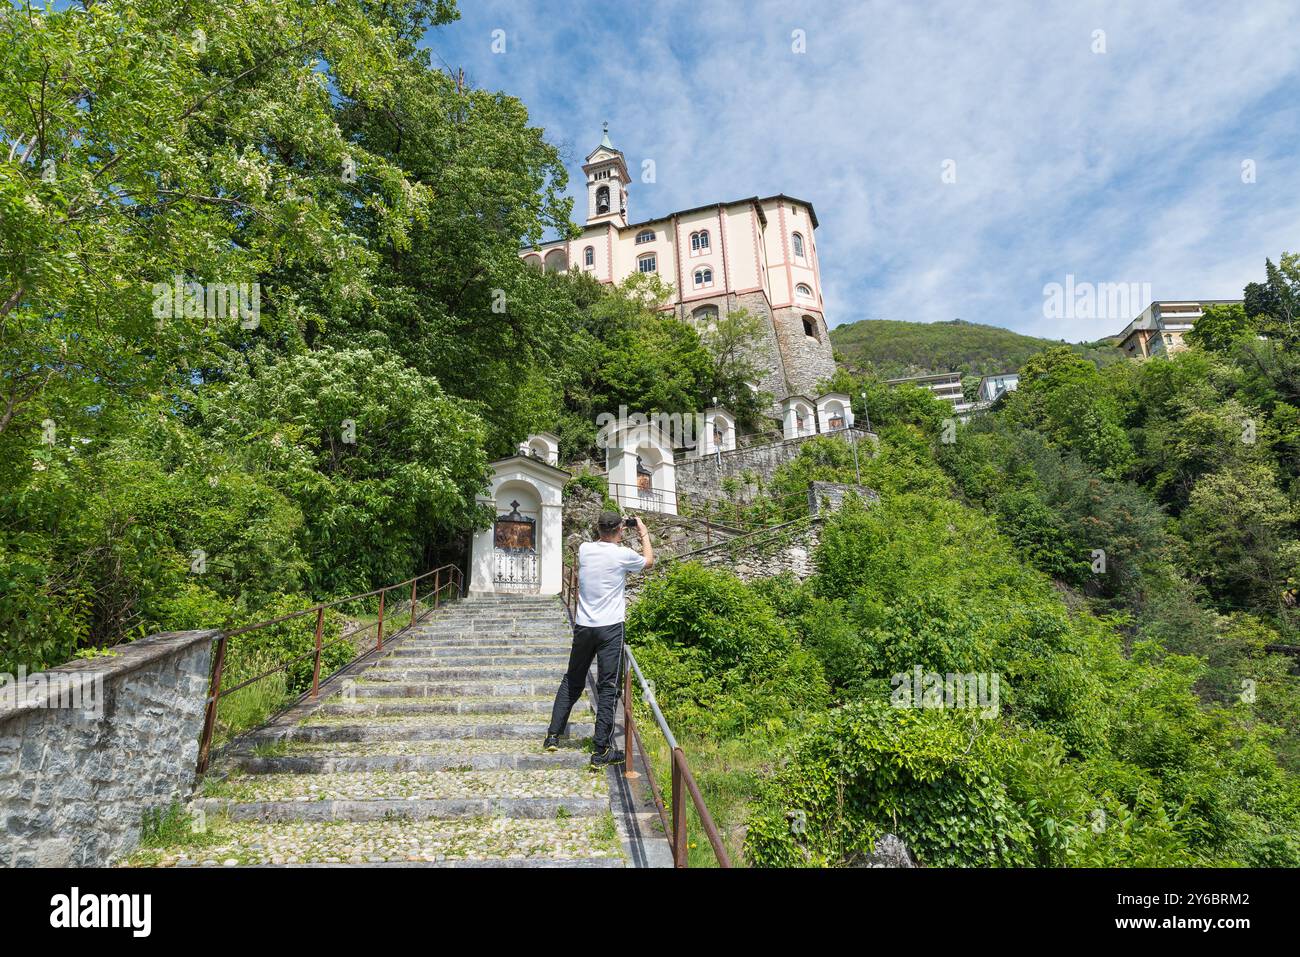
(758, 254)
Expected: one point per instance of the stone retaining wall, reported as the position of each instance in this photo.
(87, 748)
(775, 551)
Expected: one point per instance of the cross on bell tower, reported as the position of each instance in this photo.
(607, 182)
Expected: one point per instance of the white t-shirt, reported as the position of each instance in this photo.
(602, 569)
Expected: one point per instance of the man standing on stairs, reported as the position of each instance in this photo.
(603, 567)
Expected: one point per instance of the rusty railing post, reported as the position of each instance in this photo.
(437, 585)
(679, 812)
(629, 769)
(210, 712)
(414, 585)
(315, 673)
(379, 645)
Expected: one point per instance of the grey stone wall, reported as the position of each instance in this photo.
(808, 361)
(829, 496)
(701, 478)
(786, 548)
(88, 747)
(765, 352)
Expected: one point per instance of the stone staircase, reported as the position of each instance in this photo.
(428, 754)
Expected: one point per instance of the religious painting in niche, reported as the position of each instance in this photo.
(643, 477)
(514, 532)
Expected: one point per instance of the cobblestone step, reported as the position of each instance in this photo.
(469, 672)
(466, 652)
(410, 706)
(428, 660)
(451, 689)
(572, 755)
(454, 783)
(424, 731)
(589, 840)
(526, 642)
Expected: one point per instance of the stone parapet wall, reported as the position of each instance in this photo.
(87, 748)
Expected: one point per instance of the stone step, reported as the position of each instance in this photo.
(519, 622)
(475, 654)
(457, 783)
(381, 706)
(470, 661)
(488, 641)
(452, 689)
(453, 747)
(502, 632)
(417, 809)
(411, 675)
(571, 755)
(382, 730)
(587, 840)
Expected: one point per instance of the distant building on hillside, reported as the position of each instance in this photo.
(993, 387)
(944, 385)
(758, 254)
(1160, 327)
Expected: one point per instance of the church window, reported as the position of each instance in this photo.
(589, 256)
(803, 291)
(700, 241)
(798, 245)
(645, 236)
(647, 263)
(704, 276)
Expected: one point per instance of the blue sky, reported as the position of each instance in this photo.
(1118, 166)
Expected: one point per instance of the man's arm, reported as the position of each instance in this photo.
(647, 550)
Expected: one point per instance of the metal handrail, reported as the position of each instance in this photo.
(683, 782)
(216, 692)
(619, 491)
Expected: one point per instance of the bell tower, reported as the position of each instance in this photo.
(607, 181)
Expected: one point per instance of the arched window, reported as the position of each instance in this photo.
(534, 261)
(700, 242)
(645, 236)
(810, 328)
(602, 200)
(803, 291)
(589, 256)
(647, 263)
(556, 261)
(798, 246)
(703, 276)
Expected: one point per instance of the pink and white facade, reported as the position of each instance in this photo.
(759, 254)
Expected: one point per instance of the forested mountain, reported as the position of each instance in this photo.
(893, 348)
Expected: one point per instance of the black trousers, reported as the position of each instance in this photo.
(605, 644)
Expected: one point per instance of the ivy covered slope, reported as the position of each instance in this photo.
(893, 348)
(1118, 547)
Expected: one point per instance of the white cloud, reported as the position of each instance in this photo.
(1122, 166)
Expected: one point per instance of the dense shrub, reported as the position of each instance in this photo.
(722, 661)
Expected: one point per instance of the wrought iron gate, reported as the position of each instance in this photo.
(515, 551)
